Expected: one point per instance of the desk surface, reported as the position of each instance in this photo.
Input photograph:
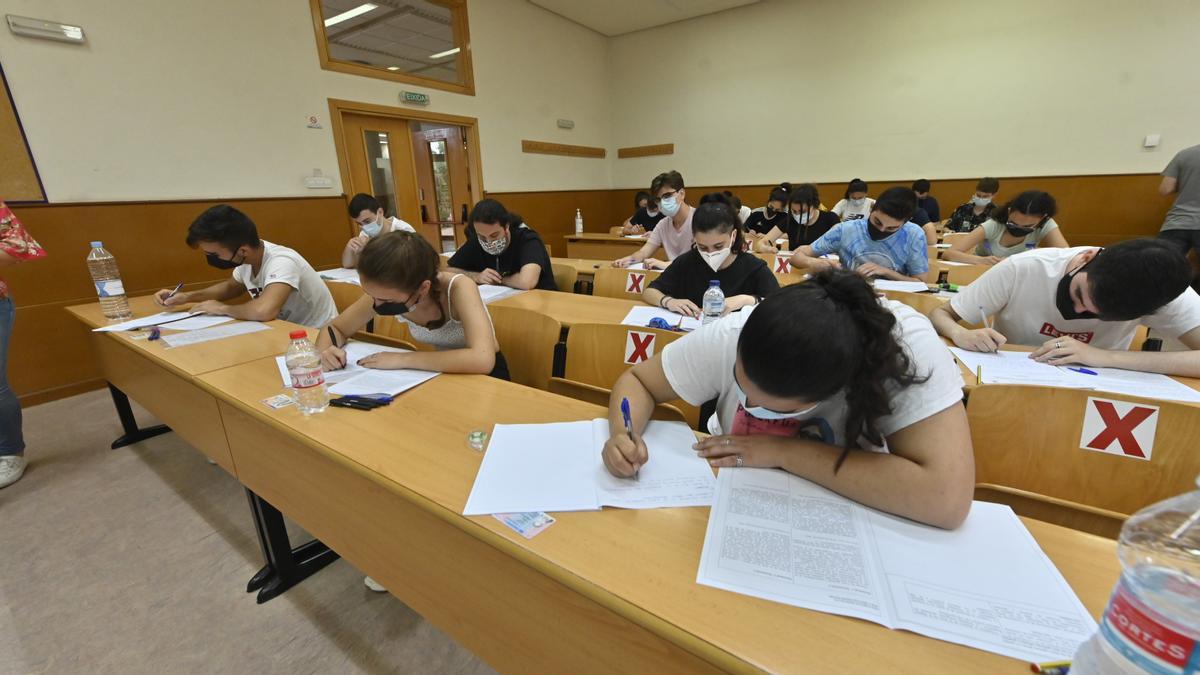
(198, 358)
(571, 308)
(604, 236)
(641, 564)
(584, 266)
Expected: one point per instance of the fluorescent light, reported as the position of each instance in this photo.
(350, 14)
(448, 52)
(393, 67)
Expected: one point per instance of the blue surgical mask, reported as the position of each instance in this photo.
(766, 413)
(371, 229)
(669, 205)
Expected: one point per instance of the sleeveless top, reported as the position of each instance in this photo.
(448, 336)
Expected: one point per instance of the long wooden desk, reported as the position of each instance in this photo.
(163, 380)
(606, 246)
(610, 591)
(571, 308)
(585, 267)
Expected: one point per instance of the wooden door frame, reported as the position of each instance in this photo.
(340, 107)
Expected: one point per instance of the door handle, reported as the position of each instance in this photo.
(464, 214)
(424, 214)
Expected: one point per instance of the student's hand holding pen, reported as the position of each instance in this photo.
(979, 340)
(333, 358)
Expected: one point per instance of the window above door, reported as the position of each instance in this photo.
(419, 42)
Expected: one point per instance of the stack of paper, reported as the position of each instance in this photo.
(558, 467)
(1017, 368)
(356, 380)
(492, 293)
(641, 315)
(214, 333)
(986, 585)
(145, 321)
(905, 286)
(341, 275)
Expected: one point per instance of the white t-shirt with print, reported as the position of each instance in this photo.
(699, 367)
(310, 303)
(847, 211)
(1020, 293)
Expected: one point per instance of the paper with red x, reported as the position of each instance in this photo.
(783, 264)
(633, 282)
(1119, 428)
(638, 347)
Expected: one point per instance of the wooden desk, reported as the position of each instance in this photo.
(605, 246)
(585, 267)
(570, 308)
(597, 592)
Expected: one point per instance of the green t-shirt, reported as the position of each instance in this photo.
(993, 231)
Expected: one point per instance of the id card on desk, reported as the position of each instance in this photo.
(528, 525)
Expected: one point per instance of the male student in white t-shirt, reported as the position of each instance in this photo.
(1083, 305)
(282, 285)
(673, 233)
(367, 213)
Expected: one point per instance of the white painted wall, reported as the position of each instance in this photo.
(818, 90)
(173, 99)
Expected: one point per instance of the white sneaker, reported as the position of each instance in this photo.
(12, 467)
(373, 585)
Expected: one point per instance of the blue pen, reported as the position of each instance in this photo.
(1085, 371)
(628, 426)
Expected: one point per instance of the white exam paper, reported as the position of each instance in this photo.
(558, 467)
(641, 315)
(356, 380)
(341, 275)
(492, 292)
(986, 585)
(906, 286)
(198, 322)
(144, 322)
(214, 333)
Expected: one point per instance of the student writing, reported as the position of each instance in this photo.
(856, 204)
(770, 217)
(1023, 224)
(501, 250)
(978, 209)
(367, 213)
(672, 234)
(400, 277)
(1083, 305)
(926, 201)
(884, 244)
(719, 254)
(646, 214)
(805, 223)
(823, 380)
(281, 283)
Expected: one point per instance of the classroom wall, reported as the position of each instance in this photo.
(178, 100)
(826, 91)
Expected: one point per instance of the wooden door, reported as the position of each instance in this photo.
(380, 156)
(444, 180)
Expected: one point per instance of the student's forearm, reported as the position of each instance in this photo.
(1184, 364)
(254, 310)
(644, 252)
(897, 276)
(221, 292)
(882, 481)
(349, 257)
(653, 296)
(945, 324)
(478, 361)
(522, 280)
(961, 256)
(641, 404)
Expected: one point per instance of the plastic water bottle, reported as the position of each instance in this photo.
(107, 278)
(1152, 623)
(578, 221)
(714, 302)
(308, 382)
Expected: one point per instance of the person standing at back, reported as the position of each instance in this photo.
(673, 234)
(1182, 177)
(978, 210)
(15, 246)
(367, 213)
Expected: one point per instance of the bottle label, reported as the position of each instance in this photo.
(1134, 630)
(108, 289)
(303, 378)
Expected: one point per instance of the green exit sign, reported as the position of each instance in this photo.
(414, 97)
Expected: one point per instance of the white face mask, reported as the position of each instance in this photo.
(716, 258)
(669, 205)
(858, 202)
(981, 201)
(801, 218)
(766, 413)
(372, 229)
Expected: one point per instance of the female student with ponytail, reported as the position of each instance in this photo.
(400, 277)
(805, 224)
(856, 203)
(719, 254)
(1026, 222)
(763, 220)
(825, 381)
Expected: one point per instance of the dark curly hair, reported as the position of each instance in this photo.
(810, 341)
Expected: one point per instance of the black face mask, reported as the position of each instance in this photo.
(220, 263)
(770, 212)
(393, 308)
(1018, 231)
(1062, 298)
(876, 233)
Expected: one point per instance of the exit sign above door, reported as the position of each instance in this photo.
(414, 97)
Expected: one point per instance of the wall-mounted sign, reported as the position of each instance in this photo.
(415, 98)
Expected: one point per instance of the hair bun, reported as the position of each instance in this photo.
(785, 186)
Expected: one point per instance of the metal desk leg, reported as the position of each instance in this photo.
(286, 566)
(133, 433)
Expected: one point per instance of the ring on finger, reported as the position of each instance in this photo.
(1058, 345)
(738, 462)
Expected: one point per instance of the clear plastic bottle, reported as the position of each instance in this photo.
(308, 382)
(107, 278)
(713, 303)
(578, 221)
(1152, 623)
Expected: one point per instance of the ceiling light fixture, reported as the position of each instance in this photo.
(448, 52)
(393, 67)
(350, 14)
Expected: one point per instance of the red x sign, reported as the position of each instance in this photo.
(1119, 428)
(638, 347)
(633, 282)
(782, 265)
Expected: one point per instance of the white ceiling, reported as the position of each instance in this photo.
(617, 17)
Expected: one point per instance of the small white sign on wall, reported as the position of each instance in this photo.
(314, 122)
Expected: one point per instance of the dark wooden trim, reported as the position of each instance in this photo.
(646, 150)
(547, 148)
(55, 393)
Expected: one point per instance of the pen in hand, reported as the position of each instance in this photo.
(629, 428)
(986, 323)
